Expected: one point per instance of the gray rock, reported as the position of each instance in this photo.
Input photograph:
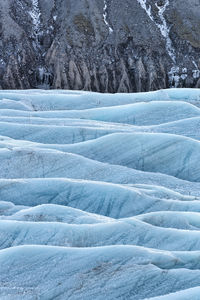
(107, 46)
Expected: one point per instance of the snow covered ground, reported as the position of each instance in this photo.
(100, 195)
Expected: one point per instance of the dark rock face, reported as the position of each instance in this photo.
(99, 45)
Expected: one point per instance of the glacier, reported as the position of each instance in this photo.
(100, 195)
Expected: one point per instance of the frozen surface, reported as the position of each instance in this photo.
(100, 193)
(70, 100)
(54, 213)
(144, 113)
(71, 273)
(167, 219)
(188, 294)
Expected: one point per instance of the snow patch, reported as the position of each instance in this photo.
(35, 15)
(196, 74)
(105, 16)
(143, 4)
(196, 71)
(163, 27)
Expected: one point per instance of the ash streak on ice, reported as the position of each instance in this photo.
(105, 15)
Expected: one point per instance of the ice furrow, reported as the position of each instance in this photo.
(40, 100)
(112, 200)
(129, 231)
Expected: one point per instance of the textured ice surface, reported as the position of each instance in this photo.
(150, 113)
(188, 294)
(125, 272)
(100, 195)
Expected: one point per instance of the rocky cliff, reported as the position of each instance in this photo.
(99, 45)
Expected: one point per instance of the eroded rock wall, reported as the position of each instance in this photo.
(99, 45)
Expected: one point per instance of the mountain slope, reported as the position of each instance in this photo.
(107, 46)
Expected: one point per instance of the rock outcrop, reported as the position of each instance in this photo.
(99, 45)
